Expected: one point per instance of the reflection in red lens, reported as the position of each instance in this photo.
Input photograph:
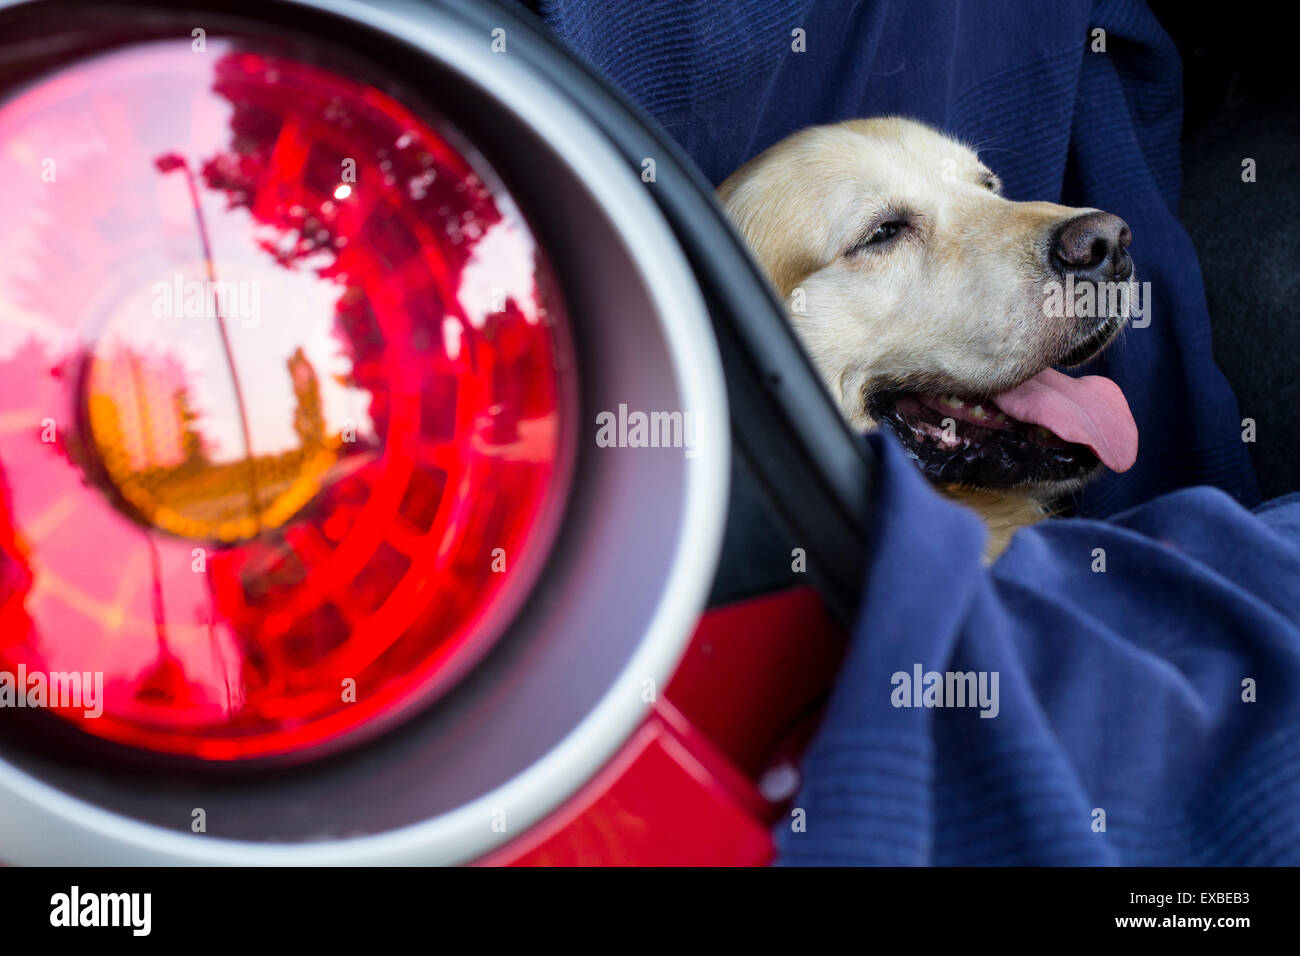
(282, 401)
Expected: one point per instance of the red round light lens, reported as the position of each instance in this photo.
(283, 401)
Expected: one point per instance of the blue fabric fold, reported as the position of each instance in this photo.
(1124, 690)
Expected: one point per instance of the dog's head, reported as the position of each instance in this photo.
(932, 305)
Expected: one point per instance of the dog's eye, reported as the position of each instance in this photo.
(879, 235)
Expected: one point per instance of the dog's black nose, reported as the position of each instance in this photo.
(1094, 246)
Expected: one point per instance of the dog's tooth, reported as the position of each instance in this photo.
(1000, 418)
(1042, 432)
(978, 411)
(952, 401)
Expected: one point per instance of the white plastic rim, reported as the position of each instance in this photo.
(40, 824)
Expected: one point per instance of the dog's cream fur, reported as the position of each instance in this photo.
(952, 303)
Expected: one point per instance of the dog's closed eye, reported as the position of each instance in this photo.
(879, 233)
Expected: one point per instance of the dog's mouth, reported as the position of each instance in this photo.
(1049, 430)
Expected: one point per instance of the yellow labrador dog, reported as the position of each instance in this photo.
(926, 299)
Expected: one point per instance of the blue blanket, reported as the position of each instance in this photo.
(1147, 712)
(1145, 706)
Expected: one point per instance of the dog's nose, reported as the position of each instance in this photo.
(1094, 246)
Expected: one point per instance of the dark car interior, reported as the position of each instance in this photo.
(1240, 88)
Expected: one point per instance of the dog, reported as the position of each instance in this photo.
(923, 297)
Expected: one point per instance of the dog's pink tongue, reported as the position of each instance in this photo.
(1090, 411)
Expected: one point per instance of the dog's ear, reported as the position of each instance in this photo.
(762, 222)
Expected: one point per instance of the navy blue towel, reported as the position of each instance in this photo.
(1020, 80)
(1147, 690)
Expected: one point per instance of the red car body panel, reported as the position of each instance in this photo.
(684, 789)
